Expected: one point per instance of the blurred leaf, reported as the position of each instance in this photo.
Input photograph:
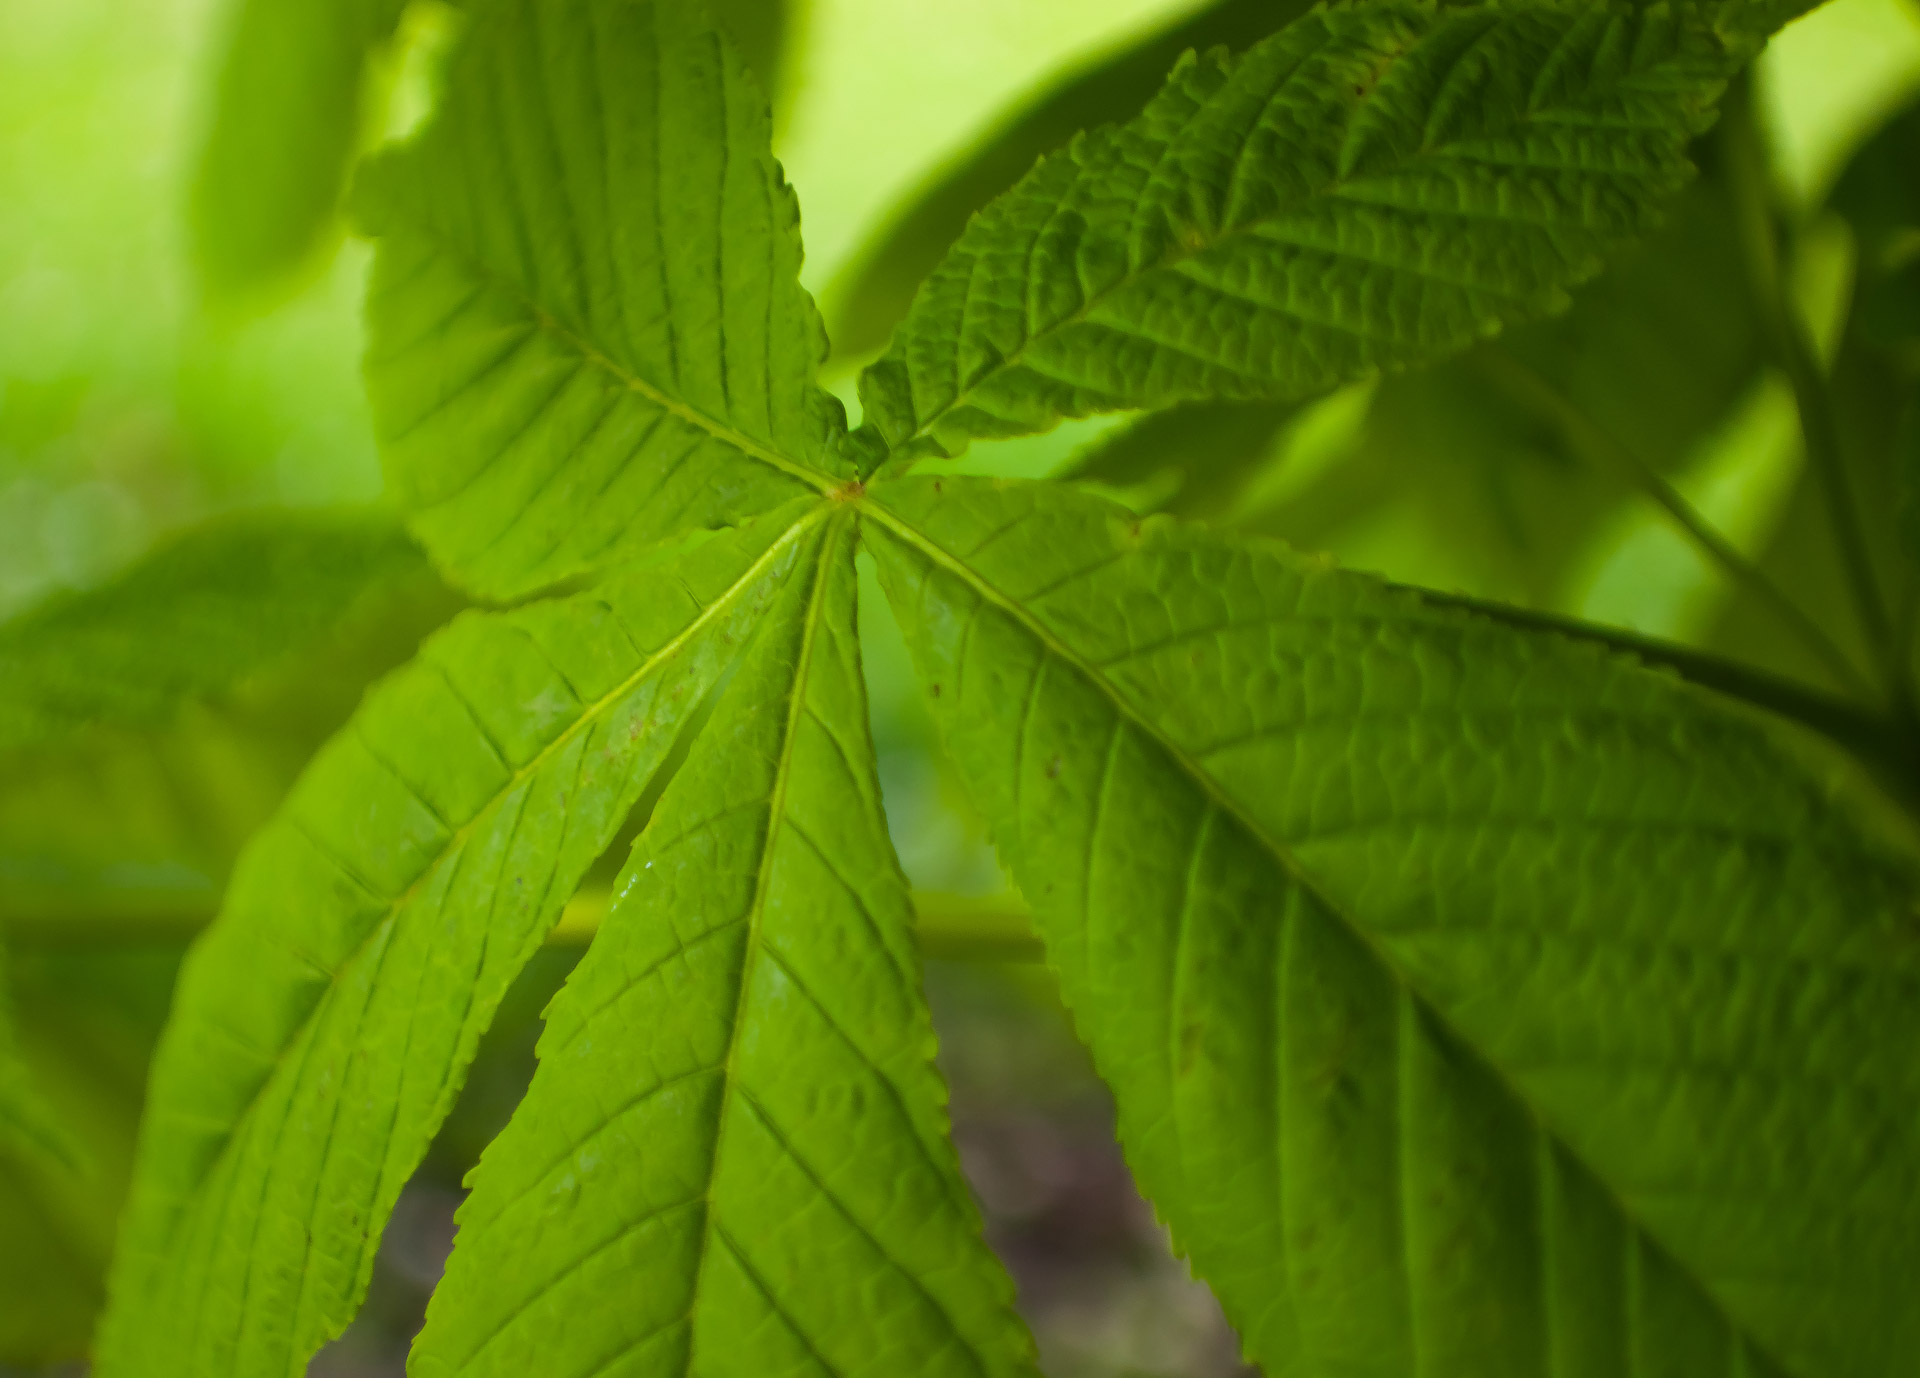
(1879, 192)
(220, 605)
(88, 1018)
(1211, 451)
(1874, 385)
(292, 105)
(872, 294)
(1269, 228)
(148, 726)
(29, 1128)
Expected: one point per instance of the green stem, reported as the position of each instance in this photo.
(1793, 349)
(1534, 391)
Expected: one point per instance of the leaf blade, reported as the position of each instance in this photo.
(587, 331)
(734, 1153)
(1376, 778)
(1367, 190)
(430, 845)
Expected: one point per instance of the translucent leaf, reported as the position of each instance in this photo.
(323, 1023)
(1476, 1002)
(291, 106)
(733, 1159)
(1375, 187)
(587, 331)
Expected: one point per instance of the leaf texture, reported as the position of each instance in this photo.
(323, 1023)
(1477, 1003)
(1374, 187)
(586, 329)
(733, 1159)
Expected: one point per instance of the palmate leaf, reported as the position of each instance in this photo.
(1476, 1003)
(586, 325)
(322, 1023)
(1372, 188)
(733, 1159)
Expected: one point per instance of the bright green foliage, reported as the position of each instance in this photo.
(222, 606)
(1478, 1002)
(733, 1159)
(1372, 188)
(1523, 963)
(368, 934)
(587, 326)
(293, 102)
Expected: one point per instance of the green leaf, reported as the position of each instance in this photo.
(733, 1159)
(1873, 386)
(1466, 475)
(1212, 452)
(587, 331)
(1477, 1002)
(28, 1125)
(148, 726)
(224, 604)
(873, 293)
(88, 1016)
(762, 30)
(323, 1023)
(291, 109)
(1376, 187)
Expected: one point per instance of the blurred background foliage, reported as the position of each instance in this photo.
(185, 462)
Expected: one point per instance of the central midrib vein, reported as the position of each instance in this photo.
(1284, 859)
(1179, 253)
(459, 836)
